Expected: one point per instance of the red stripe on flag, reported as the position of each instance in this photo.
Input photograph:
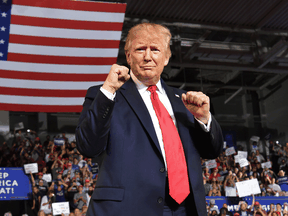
(40, 108)
(60, 59)
(52, 76)
(75, 5)
(67, 24)
(42, 92)
(63, 42)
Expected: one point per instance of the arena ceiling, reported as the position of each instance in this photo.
(219, 46)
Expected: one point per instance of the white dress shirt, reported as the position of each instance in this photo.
(145, 94)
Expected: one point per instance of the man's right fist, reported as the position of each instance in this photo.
(117, 76)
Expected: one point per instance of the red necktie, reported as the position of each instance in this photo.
(175, 158)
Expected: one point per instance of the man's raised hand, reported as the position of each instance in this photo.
(198, 104)
(117, 76)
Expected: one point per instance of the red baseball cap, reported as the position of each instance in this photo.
(69, 164)
(40, 173)
(236, 214)
(87, 180)
(256, 203)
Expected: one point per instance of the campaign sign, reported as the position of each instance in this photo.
(266, 165)
(32, 167)
(59, 141)
(242, 154)
(211, 164)
(60, 207)
(47, 177)
(14, 184)
(248, 187)
(230, 151)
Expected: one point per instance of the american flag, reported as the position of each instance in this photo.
(52, 51)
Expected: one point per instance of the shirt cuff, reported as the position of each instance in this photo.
(205, 127)
(108, 94)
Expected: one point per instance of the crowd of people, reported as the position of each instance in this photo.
(273, 181)
(74, 177)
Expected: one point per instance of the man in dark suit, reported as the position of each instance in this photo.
(124, 121)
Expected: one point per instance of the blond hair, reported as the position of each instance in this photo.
(153, 28)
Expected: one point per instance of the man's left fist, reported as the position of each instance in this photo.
(198, 104)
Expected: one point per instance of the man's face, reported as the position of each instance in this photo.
(243, 207)
(147, 56)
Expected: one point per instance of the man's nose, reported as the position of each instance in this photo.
(147, 55)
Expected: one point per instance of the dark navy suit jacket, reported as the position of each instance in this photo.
(132, 176)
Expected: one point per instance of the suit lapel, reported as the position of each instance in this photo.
(131, 94)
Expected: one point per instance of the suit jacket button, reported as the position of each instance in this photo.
(162, 170)
(160, 200)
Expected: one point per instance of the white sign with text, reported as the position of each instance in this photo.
(32, 167)
(248, 187)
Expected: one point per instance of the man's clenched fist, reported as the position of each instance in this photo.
(198, 104)
(117, 76)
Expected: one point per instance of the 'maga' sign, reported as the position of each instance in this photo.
(14, 184)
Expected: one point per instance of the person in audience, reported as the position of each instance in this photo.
(258, 211)
(214, 192)
(282, 180)
(46, 202)
(80, 198)
(213, 207)
(272, 208)
(243, 209)
(59, 190)
(273, 188)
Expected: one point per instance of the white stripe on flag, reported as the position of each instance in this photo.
(33, 84)
(11, 99)
(31, 11)
(54, 68)
(64, 33)
(62, 51)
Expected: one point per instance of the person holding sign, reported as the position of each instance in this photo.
(151, 136)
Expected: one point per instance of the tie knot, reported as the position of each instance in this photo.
(152, 88)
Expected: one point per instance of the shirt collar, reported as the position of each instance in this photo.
(142, 87)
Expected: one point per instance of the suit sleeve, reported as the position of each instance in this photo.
(94, 123)
(209, 144)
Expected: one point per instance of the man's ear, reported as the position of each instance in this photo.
(128, 57)
(166, 61)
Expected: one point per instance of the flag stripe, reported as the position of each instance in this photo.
(64, 33)
(31, 11)
(65, 42)
(61, 51)
(43, 92)
(57, 49)
(41, 100)
(8, 74)
(76, 5)
(67, 24)
(54, 68)
(40, 108)
(60, 59)
(35, 84)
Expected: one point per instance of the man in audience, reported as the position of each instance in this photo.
(282, 180)
(258, 211)
(80, 198)
(213, 207)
